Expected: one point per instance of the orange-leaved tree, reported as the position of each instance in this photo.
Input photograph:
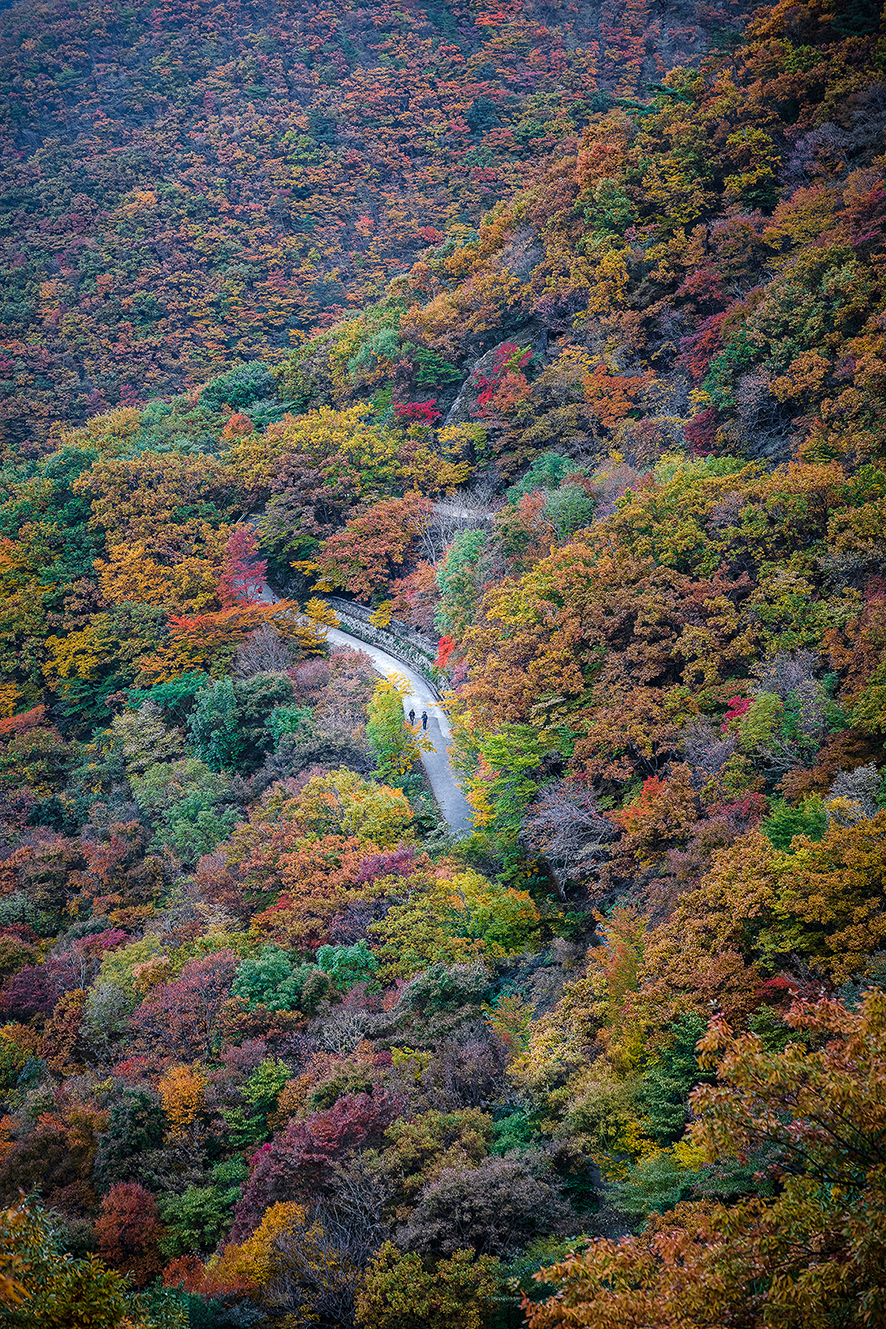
(813, 1119)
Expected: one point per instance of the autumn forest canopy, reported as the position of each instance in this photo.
(544, 346)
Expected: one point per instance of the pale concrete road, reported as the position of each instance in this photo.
(456, 809)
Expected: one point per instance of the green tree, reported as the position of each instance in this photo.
(287, 720)
(174, 698)
(666, 1085)
(508, 776)
(142, 739)
(214, 725)
(568, 509)
(547, 472)
(264, 713)
(392, 740)
(347, 965)
(460, 577)
(196, 1218)
(242, 386)
(272, 980)
(784, 821)
(53, 1290)
(265, 1084)
(136, 1127)
(185, 797)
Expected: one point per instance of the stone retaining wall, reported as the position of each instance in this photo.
(387, 641)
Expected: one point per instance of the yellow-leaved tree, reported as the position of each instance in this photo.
(182, 1092)
(343, 803)
(293, 1266)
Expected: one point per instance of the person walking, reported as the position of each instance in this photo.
(412, 717)
(424, 721)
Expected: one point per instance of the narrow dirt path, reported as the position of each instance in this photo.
(454, 806)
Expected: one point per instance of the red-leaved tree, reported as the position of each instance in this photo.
(181, 1017)
(296, 1164)
(243, 571)
(129, 1232)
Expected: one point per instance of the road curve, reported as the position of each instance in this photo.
(454, 806)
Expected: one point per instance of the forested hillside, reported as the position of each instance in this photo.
(193, 182)
(552, 336)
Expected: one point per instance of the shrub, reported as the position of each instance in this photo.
(242, 386)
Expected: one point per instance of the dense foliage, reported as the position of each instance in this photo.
(553, 335)
(190, 182)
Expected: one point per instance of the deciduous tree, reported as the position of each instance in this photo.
(402, 1292)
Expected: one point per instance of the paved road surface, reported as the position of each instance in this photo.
(455, 807)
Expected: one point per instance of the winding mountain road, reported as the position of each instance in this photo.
(454, 806)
